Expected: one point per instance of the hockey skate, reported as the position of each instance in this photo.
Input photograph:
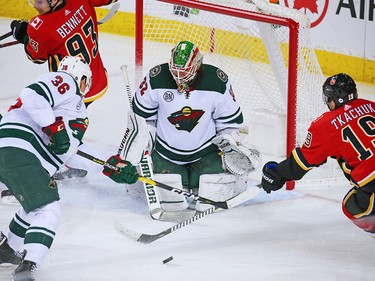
(25, 271)
(66, 173)
(7, 255)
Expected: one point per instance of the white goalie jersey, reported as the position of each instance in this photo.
(53, 94)
(187, 122)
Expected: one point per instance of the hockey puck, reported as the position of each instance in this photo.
(168, 260)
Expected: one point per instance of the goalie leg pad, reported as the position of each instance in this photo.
(171, 201)
(219, 187)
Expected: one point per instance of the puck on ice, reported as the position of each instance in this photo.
(168, 260)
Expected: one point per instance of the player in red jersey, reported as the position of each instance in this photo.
(346, 133)
(65, 28)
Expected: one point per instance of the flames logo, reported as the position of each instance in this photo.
(315, 9)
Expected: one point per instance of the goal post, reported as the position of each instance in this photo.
(263, 47)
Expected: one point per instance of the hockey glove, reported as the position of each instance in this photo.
(271, 181)
(19, 30)
(126, 174)
(58, 136)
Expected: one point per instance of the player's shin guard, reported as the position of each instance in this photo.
(358, 207)
(367, 223)
(39, 230)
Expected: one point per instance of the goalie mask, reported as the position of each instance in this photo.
(185, 62)
(340, 88)
(78, 69)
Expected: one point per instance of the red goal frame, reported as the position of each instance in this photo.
(292, 25)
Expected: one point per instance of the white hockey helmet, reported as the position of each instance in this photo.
(78, 69)
(185, 62)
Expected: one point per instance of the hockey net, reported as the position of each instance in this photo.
(263, 47)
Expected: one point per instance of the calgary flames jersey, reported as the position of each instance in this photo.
(70, 30)
(348, 134)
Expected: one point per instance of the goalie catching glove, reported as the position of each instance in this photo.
(238, 159)
(127, 173)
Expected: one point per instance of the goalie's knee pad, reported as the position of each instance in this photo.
(219, 187)
(171, 201)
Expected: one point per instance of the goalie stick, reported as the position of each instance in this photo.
(151, 192)
(112, 11)
(148, 238)
(218, 204)
(124, 72)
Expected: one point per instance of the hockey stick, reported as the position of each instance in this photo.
(129, 95)
(218, 204)
(146, 165)
(6, 35)
(11, 43)
(113, 10)
(94, 159)
(148, 238)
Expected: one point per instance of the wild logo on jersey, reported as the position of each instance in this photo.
(79, 127)
(186, 119)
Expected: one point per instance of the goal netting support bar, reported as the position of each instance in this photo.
(265, 49)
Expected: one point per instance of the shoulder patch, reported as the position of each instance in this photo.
(222, 76)
(34, 45)
(308, 139)
(155, 71)
(36, 23)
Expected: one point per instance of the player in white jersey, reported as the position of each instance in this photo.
(189, 104)
(36, 137)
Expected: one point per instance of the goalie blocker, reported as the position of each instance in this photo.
(140, 137)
